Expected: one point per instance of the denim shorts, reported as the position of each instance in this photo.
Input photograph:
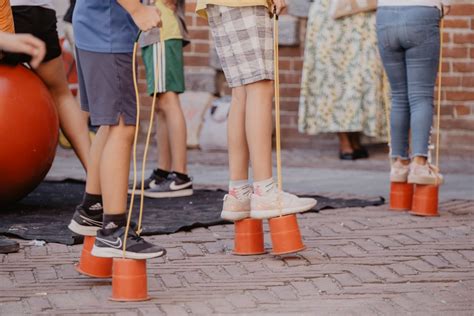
(106, 87)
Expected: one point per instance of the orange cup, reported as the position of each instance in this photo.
(425, 200)
(248, 237)
(285, 233)
(129, 280)
(401, 196)
(93, 266)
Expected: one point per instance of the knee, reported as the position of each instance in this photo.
(122, 132)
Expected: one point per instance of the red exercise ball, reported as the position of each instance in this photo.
(29, 129)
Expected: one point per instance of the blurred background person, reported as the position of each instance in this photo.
(409, 42)
(343, 87)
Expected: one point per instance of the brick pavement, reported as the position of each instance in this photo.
(358, 262)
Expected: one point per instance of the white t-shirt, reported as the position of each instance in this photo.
(48, 4)
(428, 3)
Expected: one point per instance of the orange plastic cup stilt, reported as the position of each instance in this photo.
(129, 280)
(93, 266)
(286, 236)
(425, 200)
(401, 196)
(249, 237)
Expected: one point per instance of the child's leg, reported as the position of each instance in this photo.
(72, 120)
(258, 127)
(236, 137)
(115, 167)
(95, 154)
(176, 124)
(162, 140)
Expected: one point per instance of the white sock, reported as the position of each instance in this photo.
(264, 187)
(240, 189)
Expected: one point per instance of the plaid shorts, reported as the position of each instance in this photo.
(243, 38)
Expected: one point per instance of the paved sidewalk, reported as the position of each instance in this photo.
(357, 262)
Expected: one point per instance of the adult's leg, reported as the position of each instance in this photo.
(163, 142)
(345, 146)
(422, 67)
(115, 167)
(258, 127)
(236, 136)
(72, 120)
(393, 57)
(176, 130)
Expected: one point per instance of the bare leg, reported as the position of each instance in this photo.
(72, 120)
(162, 140)
(236, 138)
(258, 126)
(115, 167)
(95, 154)
(355, 140)
(170, 106)
(345, 143)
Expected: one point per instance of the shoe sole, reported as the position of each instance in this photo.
(424, 180)
(79, 229)
(173, 194)
(266, 214)
(234, 216)
(118, 253)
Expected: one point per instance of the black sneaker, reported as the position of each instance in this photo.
(173, 186)
(111, 246)
(85, 224)
(153, 180)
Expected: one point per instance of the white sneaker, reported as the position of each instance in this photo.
(424, 174)
(235, 209)
(279, 203)
(399, 172)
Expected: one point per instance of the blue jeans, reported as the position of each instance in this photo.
(409, 44)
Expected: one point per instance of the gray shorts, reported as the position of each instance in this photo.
(106, 87)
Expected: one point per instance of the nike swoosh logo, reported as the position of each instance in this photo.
(116, 244)
(152, 184)
(175, 187)
(91, 221)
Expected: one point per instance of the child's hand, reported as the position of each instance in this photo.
(280, 5)
(146, 17)
(25, 44)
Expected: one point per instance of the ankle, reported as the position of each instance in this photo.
(240, 189)
(404, 162)
(420, 160)
(264, 187)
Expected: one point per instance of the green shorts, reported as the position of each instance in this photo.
(169, 66)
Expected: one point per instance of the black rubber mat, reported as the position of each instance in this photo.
(46, 212)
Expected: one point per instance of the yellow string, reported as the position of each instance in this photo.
(147, 143)
(135, 141)
(277, 107)
(440, 78)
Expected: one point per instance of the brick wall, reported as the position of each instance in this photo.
(458, 69)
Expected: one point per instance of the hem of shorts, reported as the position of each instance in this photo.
(161, 92)
(111, 121)
(251, 80)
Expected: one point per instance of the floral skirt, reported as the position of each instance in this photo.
(344, 87)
